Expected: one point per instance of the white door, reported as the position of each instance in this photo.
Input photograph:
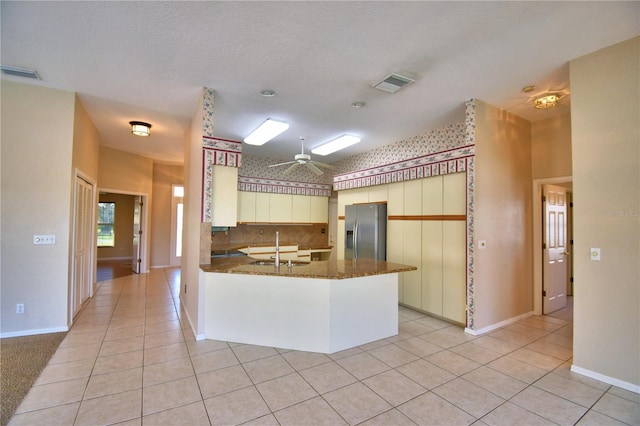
(82, 244)
(554, 295)
(137, 234)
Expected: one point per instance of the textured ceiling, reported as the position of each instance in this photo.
(149, 61)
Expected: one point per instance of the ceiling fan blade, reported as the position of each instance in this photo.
(313, 168)
(319, 164)
(290, 169)
(282, 164)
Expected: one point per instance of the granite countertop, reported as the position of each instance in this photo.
(223, 247)
(330, 269)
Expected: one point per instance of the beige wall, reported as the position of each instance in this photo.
(37, 142)
(502, 216)
(551, 147)
(605, 93)
(126, 172)
(86, 142)
(164, 176)
(194, 299)
(123, 248)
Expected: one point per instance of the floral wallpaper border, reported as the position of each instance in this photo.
(225, 152)
(277, 186)
(450, 161)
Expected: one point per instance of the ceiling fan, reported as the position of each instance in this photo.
(303, 159)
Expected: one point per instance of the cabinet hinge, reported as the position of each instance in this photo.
(544, 293)
(544, 245)
(571, 280)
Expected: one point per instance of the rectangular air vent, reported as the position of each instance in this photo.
(19, 72)
(392, 83)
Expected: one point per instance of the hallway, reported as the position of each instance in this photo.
(131, 359)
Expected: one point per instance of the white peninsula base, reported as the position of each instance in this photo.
(307, 314)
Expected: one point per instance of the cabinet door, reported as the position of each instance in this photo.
(224, 196)
(432, 196)
(319, 209)
(246, 206)
(395, 252)
(395, 205)
(413, 197)
(432, 266)
(280, 208)
(412, 255)
(262, 207)
(454, 259)
(301, 209)
(455, 193)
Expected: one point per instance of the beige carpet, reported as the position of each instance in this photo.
(22, 359)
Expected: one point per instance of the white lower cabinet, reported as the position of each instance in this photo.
(395, 250)
(454, 260)
(412, 255)
(432, 267)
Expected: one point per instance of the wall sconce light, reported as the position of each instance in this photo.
(547, 101)
(140, 128)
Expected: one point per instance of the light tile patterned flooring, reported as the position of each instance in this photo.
(131, 359)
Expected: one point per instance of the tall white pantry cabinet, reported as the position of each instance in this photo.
(426, 228)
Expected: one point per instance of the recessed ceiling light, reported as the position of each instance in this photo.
(266, 131)
(268, 93)
(336, 145)
(358, 104)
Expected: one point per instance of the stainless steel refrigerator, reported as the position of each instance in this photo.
(366, 231)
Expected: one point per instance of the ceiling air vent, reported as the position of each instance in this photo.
(19, 72)
(392, 83)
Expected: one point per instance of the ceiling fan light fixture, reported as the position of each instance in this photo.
(266, 131)
(547, 101)
(336, 145)
(140, 128)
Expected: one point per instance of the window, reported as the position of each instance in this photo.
(106, 224)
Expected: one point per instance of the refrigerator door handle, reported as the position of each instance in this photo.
(355, 240)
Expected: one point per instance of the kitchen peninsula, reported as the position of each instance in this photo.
(324, 306)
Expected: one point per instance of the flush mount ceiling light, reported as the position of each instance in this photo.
(547, 101)
(358, 104)
(140, 128)
(20, 72)
(392, 83)
(336, 145)
(268, 93)
(267, 131)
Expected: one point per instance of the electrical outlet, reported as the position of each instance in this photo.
(20, 308)
(595, 254)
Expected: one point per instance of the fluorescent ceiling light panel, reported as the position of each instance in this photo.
(336, 145)
(267, 131)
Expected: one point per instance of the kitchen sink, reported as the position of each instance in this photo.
(282, 263)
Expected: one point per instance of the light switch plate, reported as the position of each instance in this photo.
(595, 254)
(44, 239)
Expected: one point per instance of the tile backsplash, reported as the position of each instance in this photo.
(308, 235)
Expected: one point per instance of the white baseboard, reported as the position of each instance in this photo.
(496, 326)
(606, 379)
(160, 266)
(33, 332)
(193, 329)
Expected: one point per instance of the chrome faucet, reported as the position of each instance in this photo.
(277, 255)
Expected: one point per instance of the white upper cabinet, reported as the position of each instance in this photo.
(264, 207)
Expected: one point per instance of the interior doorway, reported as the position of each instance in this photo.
(122, 238)
(538, 238)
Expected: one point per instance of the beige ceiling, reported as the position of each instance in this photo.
(149, 61)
